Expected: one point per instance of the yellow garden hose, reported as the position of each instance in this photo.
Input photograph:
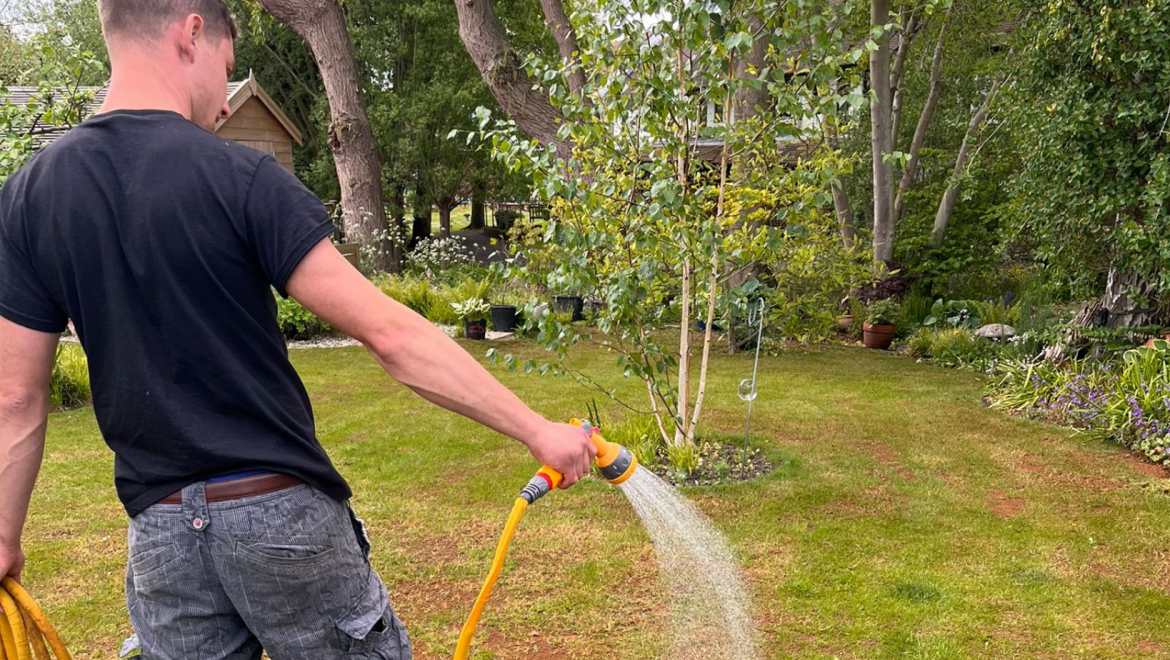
(464, 646)
(24, 628)
(616, 463)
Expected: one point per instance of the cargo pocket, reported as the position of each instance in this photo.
(369, 628)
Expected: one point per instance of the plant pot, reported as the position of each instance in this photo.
(574, 304)
(475, 329)
(845, 322)
(504, 318)
(593, 308)
(878, 336)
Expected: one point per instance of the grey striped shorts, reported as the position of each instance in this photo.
(287, 573)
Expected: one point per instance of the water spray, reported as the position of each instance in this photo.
(616, 463)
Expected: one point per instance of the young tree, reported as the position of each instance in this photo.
(641, 219)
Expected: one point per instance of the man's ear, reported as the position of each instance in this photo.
(191, 34)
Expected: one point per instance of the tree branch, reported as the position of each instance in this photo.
(947, 205)
(923, 122)
(566, 38)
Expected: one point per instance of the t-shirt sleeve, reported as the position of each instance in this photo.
(285, 220)
(24, 300)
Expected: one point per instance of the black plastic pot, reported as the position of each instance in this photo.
(503, 318)
(475, 329)
(574, 304)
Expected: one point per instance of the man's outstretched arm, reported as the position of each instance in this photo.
(420, 356)
(26, 364)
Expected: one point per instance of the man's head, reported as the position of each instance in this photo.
(190, 41)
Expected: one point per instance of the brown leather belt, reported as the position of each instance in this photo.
(244, 487)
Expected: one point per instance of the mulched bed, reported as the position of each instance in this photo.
(719, 463)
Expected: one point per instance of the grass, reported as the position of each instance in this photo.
(905, 520)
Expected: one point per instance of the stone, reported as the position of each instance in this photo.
(996, 331)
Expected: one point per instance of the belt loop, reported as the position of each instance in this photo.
(195, 507)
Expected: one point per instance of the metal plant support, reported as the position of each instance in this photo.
(747, 386)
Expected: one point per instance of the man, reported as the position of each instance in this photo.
(162, 244)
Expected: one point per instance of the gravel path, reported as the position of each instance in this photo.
(340, 341)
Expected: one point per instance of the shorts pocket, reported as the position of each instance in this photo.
(145, 562)
(276, 555)
(369, 628)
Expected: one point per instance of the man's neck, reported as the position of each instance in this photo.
(138, 83)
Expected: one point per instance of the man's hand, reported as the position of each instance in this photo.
(564, 448)
(11, 562)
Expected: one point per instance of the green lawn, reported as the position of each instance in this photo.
(905, 521)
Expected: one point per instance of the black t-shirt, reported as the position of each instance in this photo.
(162, 243)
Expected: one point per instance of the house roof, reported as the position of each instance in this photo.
(237, 94)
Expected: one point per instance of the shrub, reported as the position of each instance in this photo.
(953, 313)
(883, 312)
(296, 322)
(1128, 402)
(443, 259)
(998, 311)
(431, 299)
(953, 347)
(916, 309)
(472, 309)
(639, 434)
(69, 386)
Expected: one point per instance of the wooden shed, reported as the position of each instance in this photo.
(255, 120)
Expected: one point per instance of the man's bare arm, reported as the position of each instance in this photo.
(26, 364)
(417, 354)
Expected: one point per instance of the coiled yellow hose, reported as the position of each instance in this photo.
(464, 647)
(24, 628)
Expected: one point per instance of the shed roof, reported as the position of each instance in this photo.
(238, 93)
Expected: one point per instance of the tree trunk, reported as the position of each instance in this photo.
(562, 29)
(477, 210)
(421, 227)
(522, 98)
(445, 221)
(879, 75)
(923, 122)
(844, 214)
(947, 205)
(748, 101)
(321, 24)
(1124, 294)
(398, 225)
(1119, 307)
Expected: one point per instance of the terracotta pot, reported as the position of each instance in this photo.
(878, 336)
(845, 322)
(1150, 342)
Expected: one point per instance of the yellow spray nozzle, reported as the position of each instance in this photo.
(615, 461)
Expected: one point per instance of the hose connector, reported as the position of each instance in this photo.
(541, 484)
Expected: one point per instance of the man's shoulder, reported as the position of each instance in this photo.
(171, 138)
